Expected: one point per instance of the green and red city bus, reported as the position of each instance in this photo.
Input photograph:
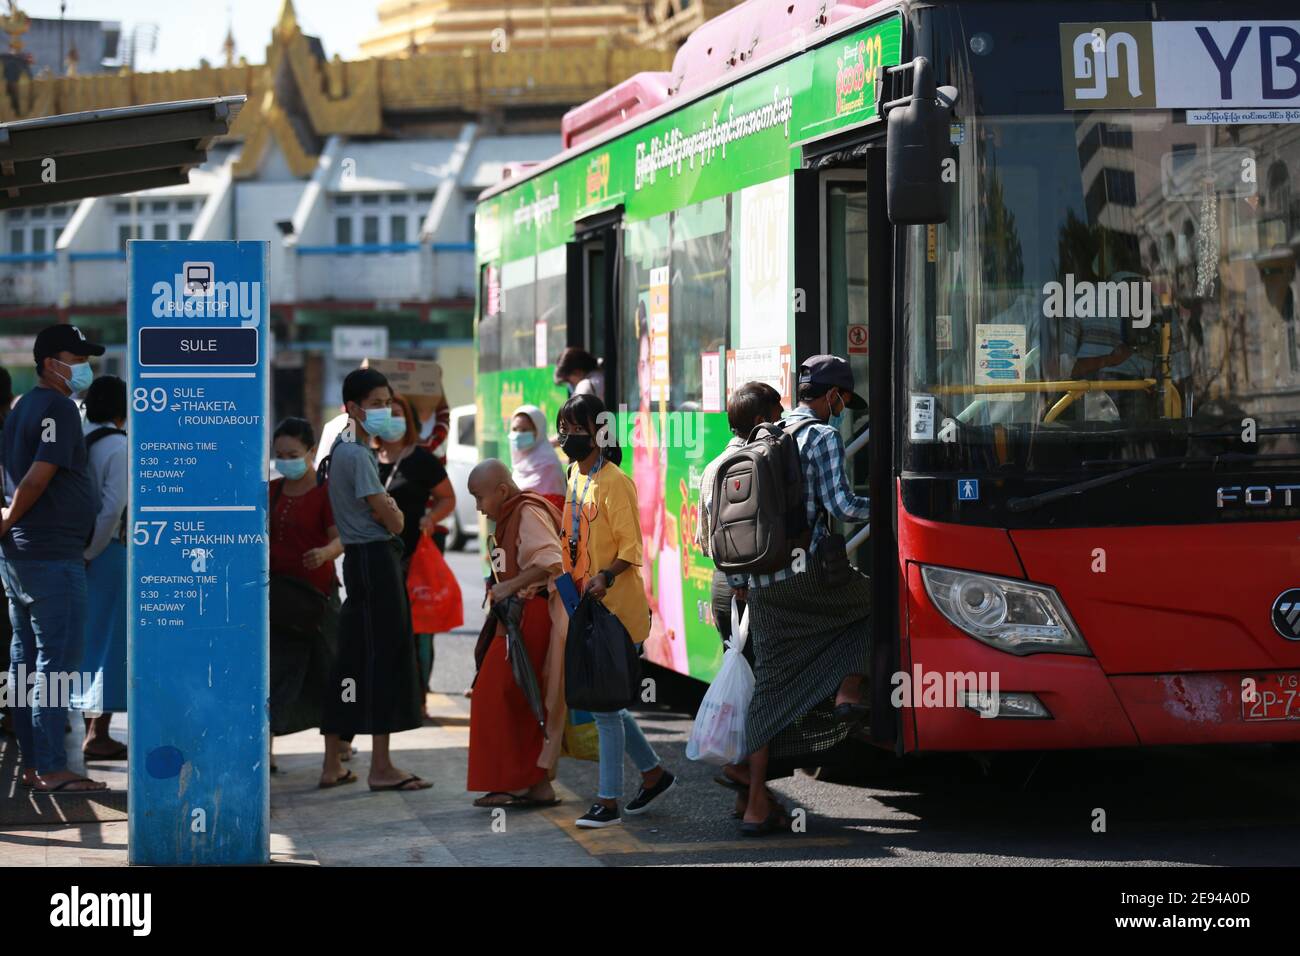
(1083, 371)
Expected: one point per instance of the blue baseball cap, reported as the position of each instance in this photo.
(831, 370)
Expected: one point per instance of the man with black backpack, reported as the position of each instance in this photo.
(809, 610)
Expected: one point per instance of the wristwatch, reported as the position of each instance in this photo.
(609, 578)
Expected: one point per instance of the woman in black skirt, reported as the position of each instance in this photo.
(374, 686)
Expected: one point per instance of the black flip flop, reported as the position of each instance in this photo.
(400, 785)
(478, 802)
(776, 822)
(348, 777)
(515, 802)
(722, 780)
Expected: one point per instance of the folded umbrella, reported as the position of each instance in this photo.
(510, 612)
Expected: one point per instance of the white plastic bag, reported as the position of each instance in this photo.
(718, 735)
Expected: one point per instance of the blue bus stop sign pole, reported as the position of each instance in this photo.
(198, 566)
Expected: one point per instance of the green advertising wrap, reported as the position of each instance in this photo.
(742, 142)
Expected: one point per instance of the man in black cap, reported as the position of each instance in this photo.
(810, 622)
(43, 534)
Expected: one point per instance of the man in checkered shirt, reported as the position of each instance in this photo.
(825, 391)
(810, 636)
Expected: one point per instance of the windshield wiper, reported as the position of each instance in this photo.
(1056, 494)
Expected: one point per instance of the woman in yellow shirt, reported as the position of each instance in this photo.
(603, 549)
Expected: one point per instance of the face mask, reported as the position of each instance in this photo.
(375, 418)
(837, 419)
(82, 376)
(577, 447)
(522, 441)
(291, 468)
(390, 430)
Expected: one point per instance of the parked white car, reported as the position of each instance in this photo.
(462, 456)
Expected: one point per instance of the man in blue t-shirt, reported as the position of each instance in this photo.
(43, 533)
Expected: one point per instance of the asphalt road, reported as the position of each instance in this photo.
(1176, 806)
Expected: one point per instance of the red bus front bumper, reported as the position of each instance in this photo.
(1190, 689)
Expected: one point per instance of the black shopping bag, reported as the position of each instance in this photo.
(602, 671)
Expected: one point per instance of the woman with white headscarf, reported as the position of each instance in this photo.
(534, 464)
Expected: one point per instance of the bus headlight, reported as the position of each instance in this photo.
(1007, 614)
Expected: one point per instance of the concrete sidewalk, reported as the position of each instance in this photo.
(351, 826)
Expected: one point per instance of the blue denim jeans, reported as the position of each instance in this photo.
(619, 732)
(47, 607)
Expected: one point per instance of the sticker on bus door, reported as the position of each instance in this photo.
(922, 422)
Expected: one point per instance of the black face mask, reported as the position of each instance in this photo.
(576, 447)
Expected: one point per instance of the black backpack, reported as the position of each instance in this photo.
(759, 515)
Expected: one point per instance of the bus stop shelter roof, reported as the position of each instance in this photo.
(104, 152)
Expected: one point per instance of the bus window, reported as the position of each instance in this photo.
(1096, 311)
(518, 312)
(551, 328)
(699, 296)
(594, 296)
(845, 295)
(645, 247)
(489, 323)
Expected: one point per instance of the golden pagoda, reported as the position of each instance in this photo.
(15, 23)
(410, 27)
(426, 58)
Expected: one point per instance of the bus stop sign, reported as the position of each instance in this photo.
(198, 566)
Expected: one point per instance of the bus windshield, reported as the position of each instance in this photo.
(1111, 285)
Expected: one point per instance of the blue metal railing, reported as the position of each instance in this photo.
(28, 257)
(367, 249)
(370, 249)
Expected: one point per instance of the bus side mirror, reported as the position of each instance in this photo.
(919, 170)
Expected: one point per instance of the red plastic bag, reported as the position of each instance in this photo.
(436, 606)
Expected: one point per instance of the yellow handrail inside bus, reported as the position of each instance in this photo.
(1074, 390)
(1066, 400)
(1081, 385)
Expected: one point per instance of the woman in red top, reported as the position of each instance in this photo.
(304, 546)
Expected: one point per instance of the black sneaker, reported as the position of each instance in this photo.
(599, 816)
(641, 802)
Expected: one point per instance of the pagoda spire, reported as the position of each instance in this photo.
(228, 45)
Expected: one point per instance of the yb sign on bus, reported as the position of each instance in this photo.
(1205, 67)
(198, 560)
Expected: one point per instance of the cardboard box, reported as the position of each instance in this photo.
(409, 377)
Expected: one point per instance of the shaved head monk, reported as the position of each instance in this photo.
(511, 759)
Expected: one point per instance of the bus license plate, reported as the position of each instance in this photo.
(1273, 696)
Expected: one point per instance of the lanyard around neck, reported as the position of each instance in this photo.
(396, 463)
(577, 506)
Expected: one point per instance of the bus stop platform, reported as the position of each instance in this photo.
(21, 806)
(342, 826)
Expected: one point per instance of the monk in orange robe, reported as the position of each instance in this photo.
(511, 757)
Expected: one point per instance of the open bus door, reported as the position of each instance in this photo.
(593, 258)
(842, 191)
